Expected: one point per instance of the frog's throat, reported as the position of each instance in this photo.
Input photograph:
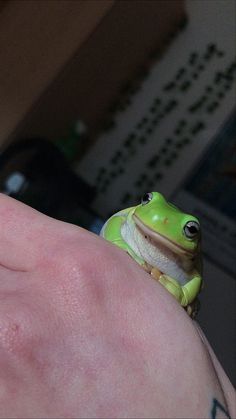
(158, 238)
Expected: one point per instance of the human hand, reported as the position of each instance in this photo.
(84, 332)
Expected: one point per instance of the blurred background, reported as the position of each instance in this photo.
(102, 101)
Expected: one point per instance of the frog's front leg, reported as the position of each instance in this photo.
(191, 290)
(172, 286)
(186, 294)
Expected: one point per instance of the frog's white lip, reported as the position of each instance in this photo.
(162, 240)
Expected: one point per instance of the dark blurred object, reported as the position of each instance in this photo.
(78, 55)
(36, 172)
(72, 143)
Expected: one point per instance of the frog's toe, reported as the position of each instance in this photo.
(156, 273)
(193, 308)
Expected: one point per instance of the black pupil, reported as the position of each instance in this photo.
(192, 229)
(146, 197)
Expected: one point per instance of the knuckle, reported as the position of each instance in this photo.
(77, 270)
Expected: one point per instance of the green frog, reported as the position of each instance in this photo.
(165, 242)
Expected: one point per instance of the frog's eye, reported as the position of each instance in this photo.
(147, 197)
(191, 229)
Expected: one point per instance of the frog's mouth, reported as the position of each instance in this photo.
(159, 239)
(160, 252)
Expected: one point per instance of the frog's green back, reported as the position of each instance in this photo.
(111, 230)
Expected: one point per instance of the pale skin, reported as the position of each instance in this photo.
(86, 333)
